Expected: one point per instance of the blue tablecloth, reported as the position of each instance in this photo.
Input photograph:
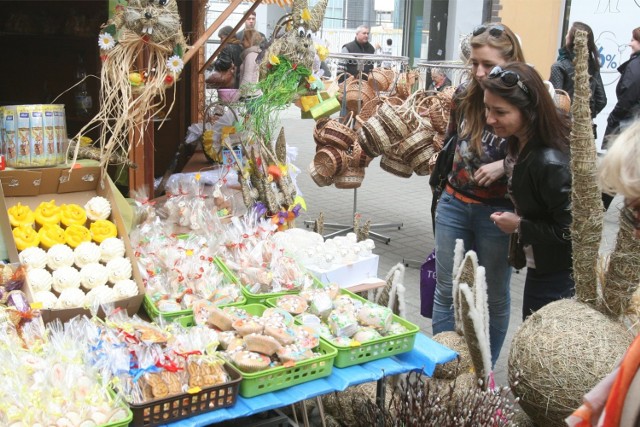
(425, 355)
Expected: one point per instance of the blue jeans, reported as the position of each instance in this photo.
(471, 223)
(541, 289)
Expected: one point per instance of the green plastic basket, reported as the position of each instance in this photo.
(128, 418)
(251, 297)
(256, 383)
(374, 349)
(171, 316)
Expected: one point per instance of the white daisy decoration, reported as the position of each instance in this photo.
(106, 41)
(175, 64)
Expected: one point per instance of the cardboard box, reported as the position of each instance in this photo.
(30, 187)
(349, 275)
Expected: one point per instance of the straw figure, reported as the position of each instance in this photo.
(564, 349)
(141, 49)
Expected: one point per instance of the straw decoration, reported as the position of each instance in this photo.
(586, 228)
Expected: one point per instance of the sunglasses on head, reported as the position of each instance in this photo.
(509, 78)
(495, 30)
(631, 216)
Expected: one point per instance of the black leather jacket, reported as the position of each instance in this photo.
(541, 189)
(628, 92)
(562, 77)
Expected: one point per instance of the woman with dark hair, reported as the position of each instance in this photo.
(519, 108)
(563, 71)
(474, 188)
(230, 56)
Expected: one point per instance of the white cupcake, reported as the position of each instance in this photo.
(100, 295)
(66, 278)
(110, 248)
(98, 208)
(86, 253)
(70, 298)
(39, 279)
(59, 256)
(125, 288)
(46, 298)
(119, 269)
(33, 257)
(94, 275)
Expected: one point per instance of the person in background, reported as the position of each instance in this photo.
(386, 50)
(628, 94)
(359, 45)
(249, 24)
(614, 400)
(250, 70)
(230, 54)
(519, 108)
(439, 80)
(475, 188)
(563, 71)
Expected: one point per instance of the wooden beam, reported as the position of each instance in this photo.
(212, 29)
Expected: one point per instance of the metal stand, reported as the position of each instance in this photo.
(342, 59)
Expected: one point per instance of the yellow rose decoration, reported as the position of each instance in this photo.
(47, 213)
(103, 229)
(76, 234)
(21, 215)
(322, 52)
(25, 237)
(51, 234)
(72, 214)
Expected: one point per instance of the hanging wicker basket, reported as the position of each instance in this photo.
(393, 121)
(415, 143)
(351, 177)
(338, 134)
(562, 100)
(358, 92)
(320, 180)
(369, 109)
(317, 130)
(359, 158)
(420, 161)
(381, 79)
(330, 161)
(395, 166)
(404, 85)
(375, 138)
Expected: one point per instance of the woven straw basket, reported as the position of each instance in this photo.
(381, 79)
(330, 161)
(369, 109)
(359, 158)
(338, 134)
(317, 131)
(320, 180)
(376, 138)
(562, 100)
(393, 121)
(438, 141)
(358, 93)
(420, 161)
(415, 143)
(351, 178)
(394, 165)
(405, 83)
(439, 116)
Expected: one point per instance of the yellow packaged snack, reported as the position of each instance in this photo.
(103, 229)
(25, 237)
(21, 216)
(76, 234)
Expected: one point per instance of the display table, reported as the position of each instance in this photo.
(425, 355)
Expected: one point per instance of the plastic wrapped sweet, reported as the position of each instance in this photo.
(110, 248)
(51, 235)
(47, 213)
(342, 323)
(21, 215)
(33, 257)
(366, 334)
(39, 279)
(59, 256)
(98, 208)
(71, 214)
(102, 229)
(76, 234)
(66, 278)
(70, 298)
(119, 269)
(86, 253)
(375, 316)
(93, 275)
(25, 237)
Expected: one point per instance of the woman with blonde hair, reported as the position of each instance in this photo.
(474, 188)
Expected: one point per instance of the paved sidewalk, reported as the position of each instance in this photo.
(386, 198)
